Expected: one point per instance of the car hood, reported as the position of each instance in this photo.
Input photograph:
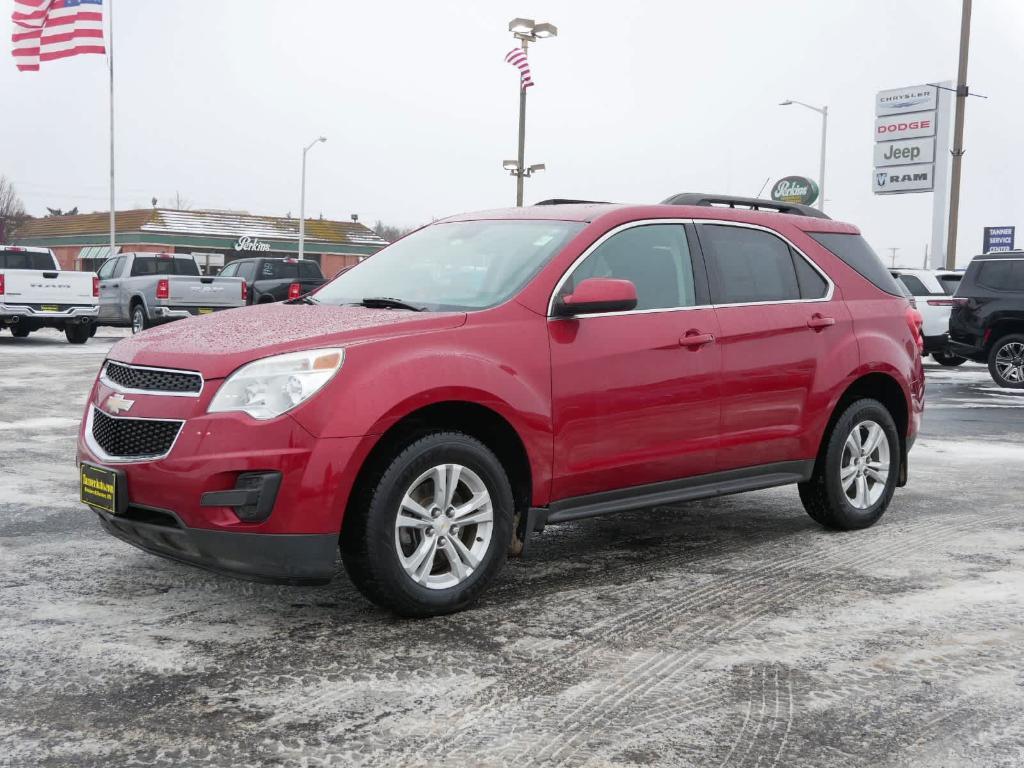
(217, 344)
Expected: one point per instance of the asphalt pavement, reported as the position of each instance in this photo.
(731, 632)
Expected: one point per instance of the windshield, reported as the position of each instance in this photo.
(163, 265)
(465, 265)
(25, 260)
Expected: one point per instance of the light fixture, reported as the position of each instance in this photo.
(521, 26)
(510, 165)
(545, 30)
(785, 103)
(537, 167)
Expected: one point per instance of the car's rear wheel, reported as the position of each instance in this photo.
(78, 334)
(139, 320)
(1006, 361)
(427, 535)
(19, 333)
(950, 361)
(855, 477)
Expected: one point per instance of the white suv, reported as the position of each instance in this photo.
(932, 289)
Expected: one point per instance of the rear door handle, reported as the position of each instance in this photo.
(115, 285)
(820, 322)
(695, 339)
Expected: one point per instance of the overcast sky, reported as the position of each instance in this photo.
(633, 102)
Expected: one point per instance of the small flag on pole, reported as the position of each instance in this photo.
(517, 58)
(45, 30)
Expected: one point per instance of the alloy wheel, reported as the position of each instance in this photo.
(138, 321)
(1010, 362)
(864, 469)
(443, 526)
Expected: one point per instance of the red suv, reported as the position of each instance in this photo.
(496, 372)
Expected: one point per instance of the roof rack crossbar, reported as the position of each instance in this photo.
(753, 203)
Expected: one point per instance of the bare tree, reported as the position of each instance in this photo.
(390, 232)
(181, 203)
(12, 209)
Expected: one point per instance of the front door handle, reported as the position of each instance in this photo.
(115, 285)
(695, 339)
(820, 322)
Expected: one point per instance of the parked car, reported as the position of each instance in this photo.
(270, 280)
(987, 323)
(140, 290)
(497, 372)
(36, 293)
(932, 290)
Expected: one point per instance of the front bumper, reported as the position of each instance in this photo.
(298, 559)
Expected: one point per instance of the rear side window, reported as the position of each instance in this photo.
(155, 265)
(950, 283)
(914, 285)
(748, 265)
(1002, 274)
(855, 251)
(278, 270)
(812, 284)
(25, 260)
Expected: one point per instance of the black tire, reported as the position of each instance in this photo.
(368, 546)
(139, 321)
(19, 333)
(823, 495)
(77, 334)
(948, 360)
(1013, 346)
(92, 329)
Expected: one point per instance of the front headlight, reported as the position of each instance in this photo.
(269, 387)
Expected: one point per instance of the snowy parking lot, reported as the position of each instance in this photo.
(731, 632)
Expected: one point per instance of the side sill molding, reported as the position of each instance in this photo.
(672, 492)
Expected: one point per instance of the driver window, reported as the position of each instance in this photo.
(107, 269)
(654, 257)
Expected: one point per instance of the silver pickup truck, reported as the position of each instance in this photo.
(140, 290)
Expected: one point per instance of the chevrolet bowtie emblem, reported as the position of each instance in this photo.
(116, 404)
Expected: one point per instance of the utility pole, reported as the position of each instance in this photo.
(894, 257)
(958, 136)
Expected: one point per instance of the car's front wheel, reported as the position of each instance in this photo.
(428, 534)
(1006, 361)
(855, 477)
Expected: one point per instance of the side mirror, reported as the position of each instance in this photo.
(597, 294)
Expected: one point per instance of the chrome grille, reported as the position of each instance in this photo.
(133, 438)
(153, 379)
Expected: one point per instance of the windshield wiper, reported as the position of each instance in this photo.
(301, 300)
(384, 302)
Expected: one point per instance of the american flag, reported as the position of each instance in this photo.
(45, 30)
(517, 58)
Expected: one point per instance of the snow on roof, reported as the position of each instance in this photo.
(203, 223)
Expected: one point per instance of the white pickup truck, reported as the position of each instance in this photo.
(36, 293)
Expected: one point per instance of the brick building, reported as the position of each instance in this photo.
(215, 237)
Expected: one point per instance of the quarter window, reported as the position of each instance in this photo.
(1002, 275)
(914, 284)
(749, 265)
(654, 257)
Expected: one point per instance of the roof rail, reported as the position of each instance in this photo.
(568, 201)
(751, 203)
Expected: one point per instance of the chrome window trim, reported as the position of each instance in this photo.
(155, 392)
(1012, 258)
(643, 222)
(102, 455)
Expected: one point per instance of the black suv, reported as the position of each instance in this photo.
(275, 279)
(987, 323)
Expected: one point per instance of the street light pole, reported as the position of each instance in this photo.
(823, 111)
(302, 197)
(526, 31)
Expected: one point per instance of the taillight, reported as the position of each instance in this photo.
(245, 291)
(916, 323)
(1, 285)
(294, 290)
(163, 288)
(95, 286)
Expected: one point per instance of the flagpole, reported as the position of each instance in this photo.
(110, 62)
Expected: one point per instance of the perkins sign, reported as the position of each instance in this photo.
(998, 239)
(248, 243)
(795, 189)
